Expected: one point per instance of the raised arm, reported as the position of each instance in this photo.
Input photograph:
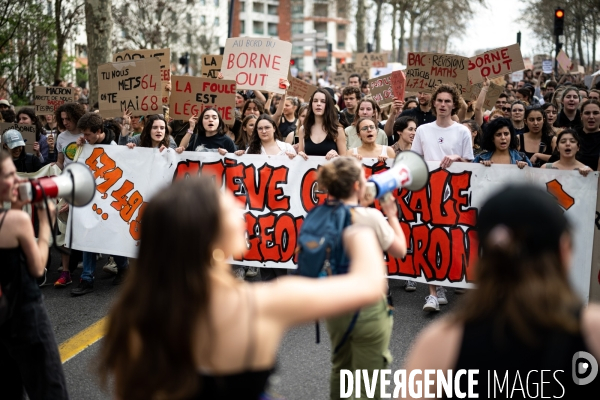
(394, 113)
(480, 100)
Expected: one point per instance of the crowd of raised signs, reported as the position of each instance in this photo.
(541, 121)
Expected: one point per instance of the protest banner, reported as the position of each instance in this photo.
(48, 98)
(163, 55)
(259, 64)
(439, 221)
(425, 71)
(191, 95)
(211, 65)
(300, 89)
(371, 60)
(27, 131)
(399, 84)
(133, 85)
(497, 62)
(381, 89)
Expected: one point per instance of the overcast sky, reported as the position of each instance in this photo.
(490, 27)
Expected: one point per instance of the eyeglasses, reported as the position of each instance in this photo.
(368, 128)
(263, 128)
(506, 109)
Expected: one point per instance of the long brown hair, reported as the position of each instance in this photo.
(146, 138)
(376, 110)
(255, 143)
(151, 329)
(330, 116)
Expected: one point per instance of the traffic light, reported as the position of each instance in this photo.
(292, 62)
(559, 21)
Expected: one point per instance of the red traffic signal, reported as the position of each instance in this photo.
(559, 13)
(292, 62)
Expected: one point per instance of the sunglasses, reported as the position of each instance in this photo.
(506, 109)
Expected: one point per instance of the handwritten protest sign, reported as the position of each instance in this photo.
(27, 131)
(256, 63)
(191, 95)
(49, 98)
(497, 62)
(564, 61)
(425, 71)
(133, 85)
(371, 60)
(439, 221)
(211, 65)
(381, 89)
(491, 96)
(398, 84)
(300, 89)
(343, 72)
(163, 55)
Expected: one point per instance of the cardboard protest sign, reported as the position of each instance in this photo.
(547, 66)
(211, 65)
(133, 85)
(425, 71)
(163, 55)
(399, 84)
(491, 96)
(517, 76)
(371, 60)
(343, 72)
(299, 88)
(339, 78)
(49, 98)
(191, 95)
(497, 62)
(381, 89)
(27, 131)
(255, 63)
(439, 221)
(563, 61)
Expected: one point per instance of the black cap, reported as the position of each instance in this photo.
(531, 215)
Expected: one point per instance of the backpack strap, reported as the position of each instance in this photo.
(347, 333)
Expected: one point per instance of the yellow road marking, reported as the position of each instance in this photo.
(82, 340)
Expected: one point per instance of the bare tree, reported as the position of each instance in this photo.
(361, 15)
(68, 15)
(98, 26)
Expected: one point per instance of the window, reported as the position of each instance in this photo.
(341, 27)
(272, 10)
(321, 10)
(321, 26)
(188, 18)
(216, 3)
(203, 19)
(341, 45)
(258, 7)
(243, 27)
(216, 21)
(202, 2)
(174, 37)
(188, 38)
(297, 9)
(258, 27)
(297, 27)
(272, 30)
(216, 40)
(242, 6)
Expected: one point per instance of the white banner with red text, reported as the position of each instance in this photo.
(439, 221)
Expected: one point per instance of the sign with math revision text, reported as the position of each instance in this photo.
(163, 55)
(49, 98)
(133, 85)
(257, 63)
(211, 65)
(191, 95)
(425, 71)
(494, 63)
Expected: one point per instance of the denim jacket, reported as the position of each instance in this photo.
(514, 157)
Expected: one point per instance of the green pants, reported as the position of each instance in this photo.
(367, 346)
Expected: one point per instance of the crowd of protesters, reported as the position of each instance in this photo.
(536, 123)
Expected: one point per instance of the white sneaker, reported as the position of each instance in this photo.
(80, 265)
(239, 273)
(431, 304)
(410, 286)
(441, 295)
(252, 271)
(110, 267)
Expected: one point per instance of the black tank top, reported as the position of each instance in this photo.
(247, 385)
(286, 127)
(545, 148)
(318, 149)
(484, 348)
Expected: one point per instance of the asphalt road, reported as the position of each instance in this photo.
(302, 366)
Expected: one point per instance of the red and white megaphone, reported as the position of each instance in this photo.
(76, 185)
(409, 170)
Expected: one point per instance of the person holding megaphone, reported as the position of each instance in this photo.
(29, 357)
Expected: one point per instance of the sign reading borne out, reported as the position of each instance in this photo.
(258, 64)
(49, 98)
(133, 85)
(494, 63)
(191, 95)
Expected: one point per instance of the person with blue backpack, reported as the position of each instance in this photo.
(359, 339)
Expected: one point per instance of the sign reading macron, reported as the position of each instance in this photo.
(258, 64)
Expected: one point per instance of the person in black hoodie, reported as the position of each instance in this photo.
(13, 142)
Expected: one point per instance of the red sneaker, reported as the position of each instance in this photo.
(64, 279)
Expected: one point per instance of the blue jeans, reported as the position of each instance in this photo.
(89, 265)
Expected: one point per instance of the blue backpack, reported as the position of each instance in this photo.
(320, 246)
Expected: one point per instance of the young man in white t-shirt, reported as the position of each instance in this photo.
(445, 141)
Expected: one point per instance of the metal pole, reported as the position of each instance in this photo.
(230, 22)
(556, 59)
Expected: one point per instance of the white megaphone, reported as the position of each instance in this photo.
(76, 185)
(409, 171)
